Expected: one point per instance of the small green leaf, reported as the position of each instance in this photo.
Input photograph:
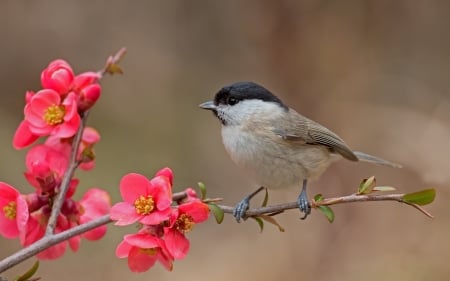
(422, 197)
(217, 212)
(27, 275)
(202, 190)
(384, 188)
(327, 212)
(113, 68)
(318, 197)
(366, 186)
(272, 220)
(266, 198)
(260, 223)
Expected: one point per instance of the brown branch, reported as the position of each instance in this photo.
(279, 208)
(53, 239)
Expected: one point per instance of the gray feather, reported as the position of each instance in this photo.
(373, 159)
(306, 131)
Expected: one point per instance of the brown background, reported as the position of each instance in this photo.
(375, 72)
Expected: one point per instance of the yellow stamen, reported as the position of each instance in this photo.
(184, 223)
(150, 252)
(10, 210)
(54, 114)
(144, 205)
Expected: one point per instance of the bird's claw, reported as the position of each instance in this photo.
(303, 202)
(240, 209)
(304, 206)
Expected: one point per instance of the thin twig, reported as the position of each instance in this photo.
(73, 163)
(68, 175)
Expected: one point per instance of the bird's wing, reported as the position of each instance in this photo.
(305, 131)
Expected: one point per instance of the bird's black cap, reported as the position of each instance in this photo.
(245, 91)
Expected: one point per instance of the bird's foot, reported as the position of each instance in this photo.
(303, 202)
(241, 207)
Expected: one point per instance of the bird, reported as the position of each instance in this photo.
(275, 145)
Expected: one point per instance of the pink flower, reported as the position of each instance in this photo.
(182, 220)
(143, 250)
(94, 204)
(13, 212)
(86, 153)
(45, 169)
(58, 76)
(87, 90)
(48, 114)
(146, 201)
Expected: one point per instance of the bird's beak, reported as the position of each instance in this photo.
(209, 105)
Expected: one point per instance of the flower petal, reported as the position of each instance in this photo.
(140, 261)
(177, 244)
(132, 186)
(124, 214)
(198, 210)
(23, 136)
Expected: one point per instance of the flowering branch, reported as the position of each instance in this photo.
(110, 67)
(53, 239)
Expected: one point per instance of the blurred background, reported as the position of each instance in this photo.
(375, 72)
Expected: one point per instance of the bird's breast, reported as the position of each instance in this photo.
(271, 162)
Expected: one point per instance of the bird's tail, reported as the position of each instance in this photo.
(373, 159)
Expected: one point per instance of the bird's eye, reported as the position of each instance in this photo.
(232, 101)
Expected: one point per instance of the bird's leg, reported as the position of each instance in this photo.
(303, 202)
(242, 206)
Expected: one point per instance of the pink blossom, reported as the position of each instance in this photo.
(87, 90)
(94, 204)
(146, 201)
(13, 211)
(45, 169)
(143, 250)
(86, 153)
(182, 220)
(58, 76)
(48, 114)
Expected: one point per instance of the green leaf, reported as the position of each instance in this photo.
(327, 212)
(27, 275)
(202, 190)
(272, 220)
(318, 197)
(260, 223)
(217, 212)
(422, 197)
(384, 188)
(113, 68)
(266, 198)
(366, 186)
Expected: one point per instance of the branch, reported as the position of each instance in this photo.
(53, 239)
(279, 208)
(68, 175)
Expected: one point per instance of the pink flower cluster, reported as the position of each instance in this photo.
(162, 236)
(54, 112)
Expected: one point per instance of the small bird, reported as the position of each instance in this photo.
(276, 146)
